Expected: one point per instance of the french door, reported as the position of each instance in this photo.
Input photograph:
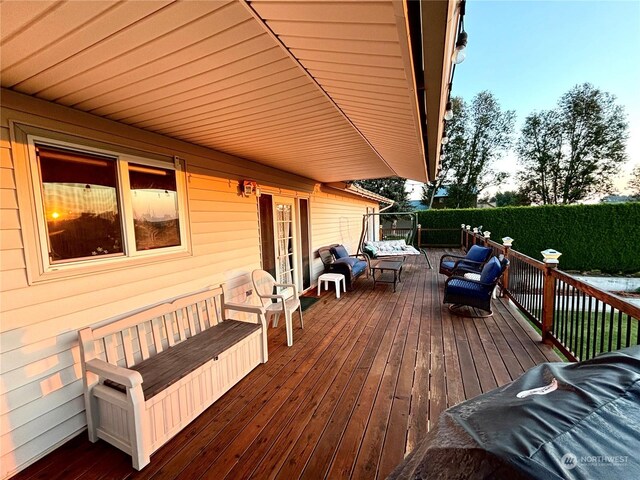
(285, 241)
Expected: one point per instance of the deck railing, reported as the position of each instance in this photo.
(395, 233)
(577, 318)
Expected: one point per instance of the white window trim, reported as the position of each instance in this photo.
(130, 256)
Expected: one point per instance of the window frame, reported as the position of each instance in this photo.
(122, 159)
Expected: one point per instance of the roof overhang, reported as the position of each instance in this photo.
(360, 192)
(439, 28)
(324, 90)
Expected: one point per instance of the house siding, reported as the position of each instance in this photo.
(41, 402)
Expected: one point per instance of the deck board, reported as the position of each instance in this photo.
(362, 385)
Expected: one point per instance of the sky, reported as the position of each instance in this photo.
(529, 53)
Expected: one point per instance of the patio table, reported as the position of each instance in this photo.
(390, 272)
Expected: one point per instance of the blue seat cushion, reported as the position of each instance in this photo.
(478, 254)
(357, 266)
(491, 271)
(448, 264)
(339, 252)
(461, 288)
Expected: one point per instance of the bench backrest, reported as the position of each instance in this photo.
(129, 340)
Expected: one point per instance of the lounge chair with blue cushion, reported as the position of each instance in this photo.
(336, 259)
(461, 292)
(472, 262)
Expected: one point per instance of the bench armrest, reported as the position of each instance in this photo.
(258, 310)
(123, 376)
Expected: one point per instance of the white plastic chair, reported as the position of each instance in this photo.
(264, 285)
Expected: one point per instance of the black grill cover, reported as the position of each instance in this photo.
(588, 427)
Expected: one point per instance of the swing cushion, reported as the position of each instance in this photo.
(388, 248)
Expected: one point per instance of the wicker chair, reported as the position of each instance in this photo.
(472, 262)
(336, 260)
(460, 291)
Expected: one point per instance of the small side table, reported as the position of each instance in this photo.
(336, 278)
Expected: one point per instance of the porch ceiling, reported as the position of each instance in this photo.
(324, 90)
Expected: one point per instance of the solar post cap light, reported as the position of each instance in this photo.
(550, 255)
(507, 241)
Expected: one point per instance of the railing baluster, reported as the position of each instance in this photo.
(611, 315)
(619, 333)
(574, 318)
(580, 346)
(595, 329)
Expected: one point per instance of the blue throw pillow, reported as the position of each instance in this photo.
(478, 254)
(339, 252)
(491, 271)
(370, 250)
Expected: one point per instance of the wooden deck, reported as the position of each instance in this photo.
(360, 387)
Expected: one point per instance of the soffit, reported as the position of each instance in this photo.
(358, 52)
(212, 74)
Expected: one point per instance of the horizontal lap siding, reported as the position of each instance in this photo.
(335, 220)
(40, 384)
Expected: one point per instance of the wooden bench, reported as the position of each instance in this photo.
(147, 375)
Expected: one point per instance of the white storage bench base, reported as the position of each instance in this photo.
(149, 375)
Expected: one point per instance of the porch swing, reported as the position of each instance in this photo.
(398, 243)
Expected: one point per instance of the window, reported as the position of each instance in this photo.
(97, 206)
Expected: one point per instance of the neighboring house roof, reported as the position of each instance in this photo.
(617, 199)
(291, 85)
(442, 192)
(361, 192)
(417, 205)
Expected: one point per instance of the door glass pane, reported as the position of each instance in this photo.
(304, 241)
(154, 199)
(266, 234)
(284, 251)
(80, 204)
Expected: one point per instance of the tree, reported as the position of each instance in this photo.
(511, 199)
(391, 187)
(571, 152)
(479, 134)
(634, 183)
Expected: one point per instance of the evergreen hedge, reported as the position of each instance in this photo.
(591, 237)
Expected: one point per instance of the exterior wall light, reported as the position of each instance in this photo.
(448, 114)
(507, 241)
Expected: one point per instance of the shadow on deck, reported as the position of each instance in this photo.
(360, 387)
